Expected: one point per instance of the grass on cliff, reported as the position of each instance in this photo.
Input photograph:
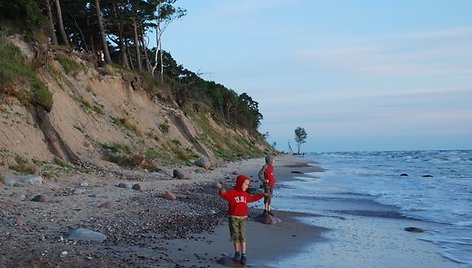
(12, 65)
(70, 66)
(228, 147)
(14, 70)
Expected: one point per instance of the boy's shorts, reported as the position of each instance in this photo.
(237, 229)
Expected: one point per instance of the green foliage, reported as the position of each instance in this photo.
(117, 148)
(164, 128)
(12, 65)
(123, 123)
(300, 137)
(13, 69)
(26, 13)
(70, 66)
(40, 95)
(24, 166)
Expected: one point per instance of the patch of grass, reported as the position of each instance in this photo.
(123, 123)
(96, 108)
(70, 66)
(13, 69)
(24, 166)
(12, 65)
(117, 148)
(164, 128)
(40, 95)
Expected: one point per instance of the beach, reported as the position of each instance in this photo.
(146, 228)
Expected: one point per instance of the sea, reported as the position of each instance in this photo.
(429, 186)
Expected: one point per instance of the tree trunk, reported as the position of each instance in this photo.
(145, 51)
(61, 23)
(102, 32)
(52, 32)
(136, 44)
(162, 62)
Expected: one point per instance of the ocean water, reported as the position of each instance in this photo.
(430, 186)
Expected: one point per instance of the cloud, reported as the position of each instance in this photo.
(445, 52)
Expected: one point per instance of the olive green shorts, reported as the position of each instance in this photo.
(237, 229)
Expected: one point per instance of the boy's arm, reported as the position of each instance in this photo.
(254, 198)
(261, 173)
(221, 190)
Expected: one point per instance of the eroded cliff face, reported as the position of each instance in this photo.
(95, 109)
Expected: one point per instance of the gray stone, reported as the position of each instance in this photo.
(126, 185)
(86, 235)
(108, 205)
(79, 190)
(40, 198)
(31, 179)
(10, 181)
(203, 162)
(180, 174)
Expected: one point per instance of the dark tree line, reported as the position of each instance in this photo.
(117, 30)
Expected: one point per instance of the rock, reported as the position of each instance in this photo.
(20, 220)
(296, 172)
(108, 205)
(84, 184)
(203, 162)
(180, 174)
(79, 190)
(169, 196)
(40, 198)
(414, 229)
(427, 176)
(31, 179)
(126, 185)
(268, 219)
(403, 175)
(137, 187)
(10, 181)
(86, 235)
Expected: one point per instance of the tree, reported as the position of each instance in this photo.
(166, 13)
(52, 33)
(102, 32)
(61, 23)
(300, 137)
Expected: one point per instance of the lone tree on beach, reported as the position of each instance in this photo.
(300, 137)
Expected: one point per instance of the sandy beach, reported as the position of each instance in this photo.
(144, 229)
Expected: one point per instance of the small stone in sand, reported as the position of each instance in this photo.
(39, 198)
(414, 229)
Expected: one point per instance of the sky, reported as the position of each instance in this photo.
(357, 75)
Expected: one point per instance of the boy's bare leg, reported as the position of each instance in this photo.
(243, 247)
(237, 246)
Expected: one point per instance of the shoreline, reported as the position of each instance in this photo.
(144, 229)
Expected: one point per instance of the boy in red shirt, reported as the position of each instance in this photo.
(238, 211)
(266, 175)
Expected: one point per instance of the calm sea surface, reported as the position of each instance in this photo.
(432, 186)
